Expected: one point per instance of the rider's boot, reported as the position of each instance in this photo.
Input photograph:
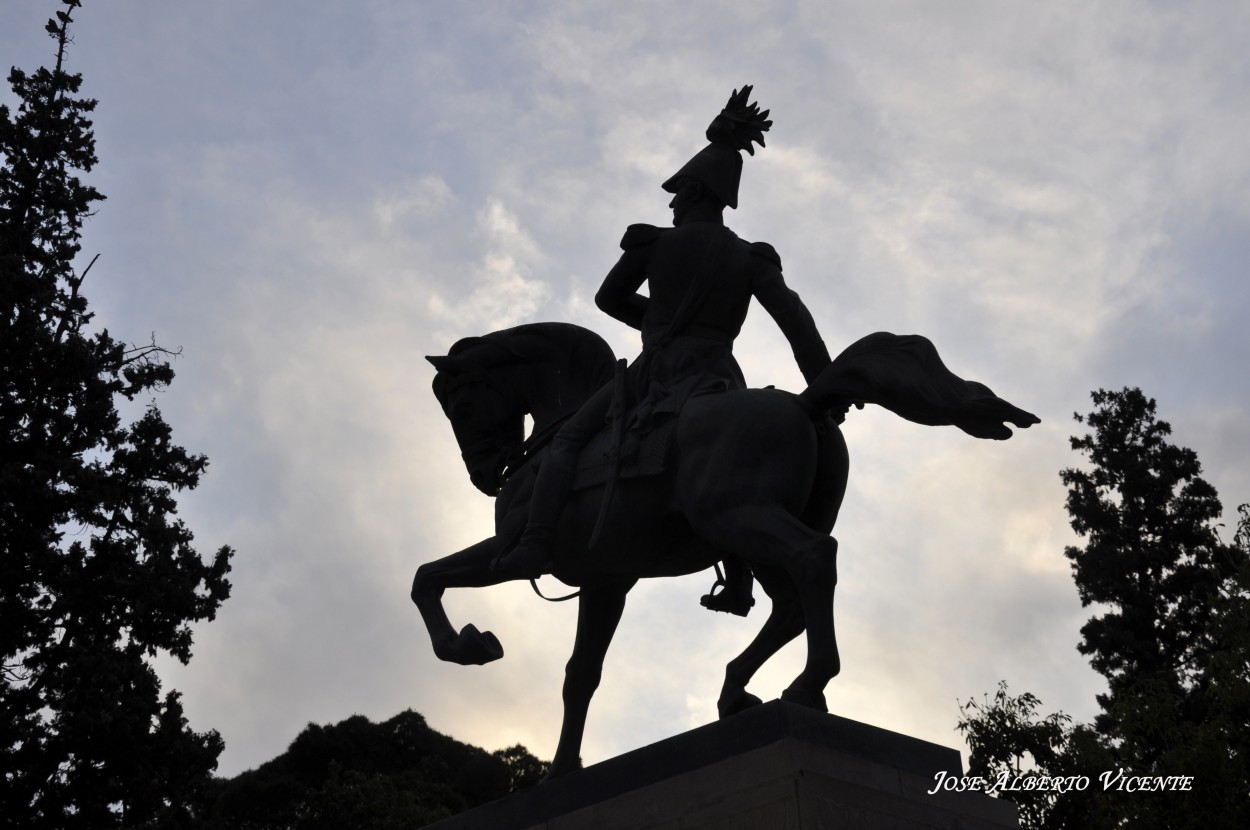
(531, 557)
(735, 595)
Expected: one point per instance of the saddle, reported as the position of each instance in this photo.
(642, 455)
(645, 431)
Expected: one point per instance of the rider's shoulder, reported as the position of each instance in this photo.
(638, 235)
(766, 252)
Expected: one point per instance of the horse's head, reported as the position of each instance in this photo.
(487, 384)
(488, 422)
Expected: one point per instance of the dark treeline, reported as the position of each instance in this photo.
(396, 774)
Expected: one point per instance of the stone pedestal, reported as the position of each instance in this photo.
(774, 767)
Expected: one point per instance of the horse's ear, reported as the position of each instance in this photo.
(442, 363)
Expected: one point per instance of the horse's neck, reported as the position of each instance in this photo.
(546, 395)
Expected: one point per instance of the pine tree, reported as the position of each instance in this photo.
(1152, 559)
(99, 575)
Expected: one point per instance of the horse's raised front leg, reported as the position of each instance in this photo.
(784, 623)
(469, 568)
(768, 535)
(598, 612)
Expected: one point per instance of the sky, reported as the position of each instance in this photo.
(307, 197)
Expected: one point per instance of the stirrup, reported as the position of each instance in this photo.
(723, 601)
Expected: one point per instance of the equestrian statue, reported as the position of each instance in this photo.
(672, 465)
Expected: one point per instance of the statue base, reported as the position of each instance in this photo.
(773, 766)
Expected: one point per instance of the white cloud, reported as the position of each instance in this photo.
(423, 199)
(503, 290)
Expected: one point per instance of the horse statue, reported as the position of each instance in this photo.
(758, 473)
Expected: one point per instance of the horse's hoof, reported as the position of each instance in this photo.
(554, 771)
(739, 701)
(808, 699)
(472, 647)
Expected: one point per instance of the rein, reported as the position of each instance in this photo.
(537, 442)
(534, 585)
(532, 446)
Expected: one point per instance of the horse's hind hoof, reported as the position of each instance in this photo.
(811, 701)
(472, 647)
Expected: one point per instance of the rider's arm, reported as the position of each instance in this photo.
(618, 296)
(792, 317)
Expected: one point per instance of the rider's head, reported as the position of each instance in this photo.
(693, 200)
(717, 168)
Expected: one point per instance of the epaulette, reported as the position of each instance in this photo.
(766, 251)
(639, 235)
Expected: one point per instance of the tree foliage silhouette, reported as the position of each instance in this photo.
(399, 773)
(99, 575)
(1170, 633)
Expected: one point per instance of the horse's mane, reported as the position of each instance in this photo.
(579, 355)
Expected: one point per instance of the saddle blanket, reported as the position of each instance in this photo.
(641, 455)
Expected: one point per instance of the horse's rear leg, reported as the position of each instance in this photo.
(784, 623)
(598, 612)
(469, 568)
(823, 661)
(771, 536)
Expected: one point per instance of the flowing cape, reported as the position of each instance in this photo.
(904, 374)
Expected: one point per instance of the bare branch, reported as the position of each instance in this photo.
(144, 353)
(77, 281)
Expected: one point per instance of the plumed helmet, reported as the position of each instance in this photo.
(718, 166)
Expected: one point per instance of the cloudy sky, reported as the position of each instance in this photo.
(307, 197)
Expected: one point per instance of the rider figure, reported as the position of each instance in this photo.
(701, 278)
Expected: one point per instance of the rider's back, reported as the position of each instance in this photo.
(676, 259)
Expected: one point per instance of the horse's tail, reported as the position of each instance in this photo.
(904, 374)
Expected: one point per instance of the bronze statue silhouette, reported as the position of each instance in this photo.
(752, 476)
